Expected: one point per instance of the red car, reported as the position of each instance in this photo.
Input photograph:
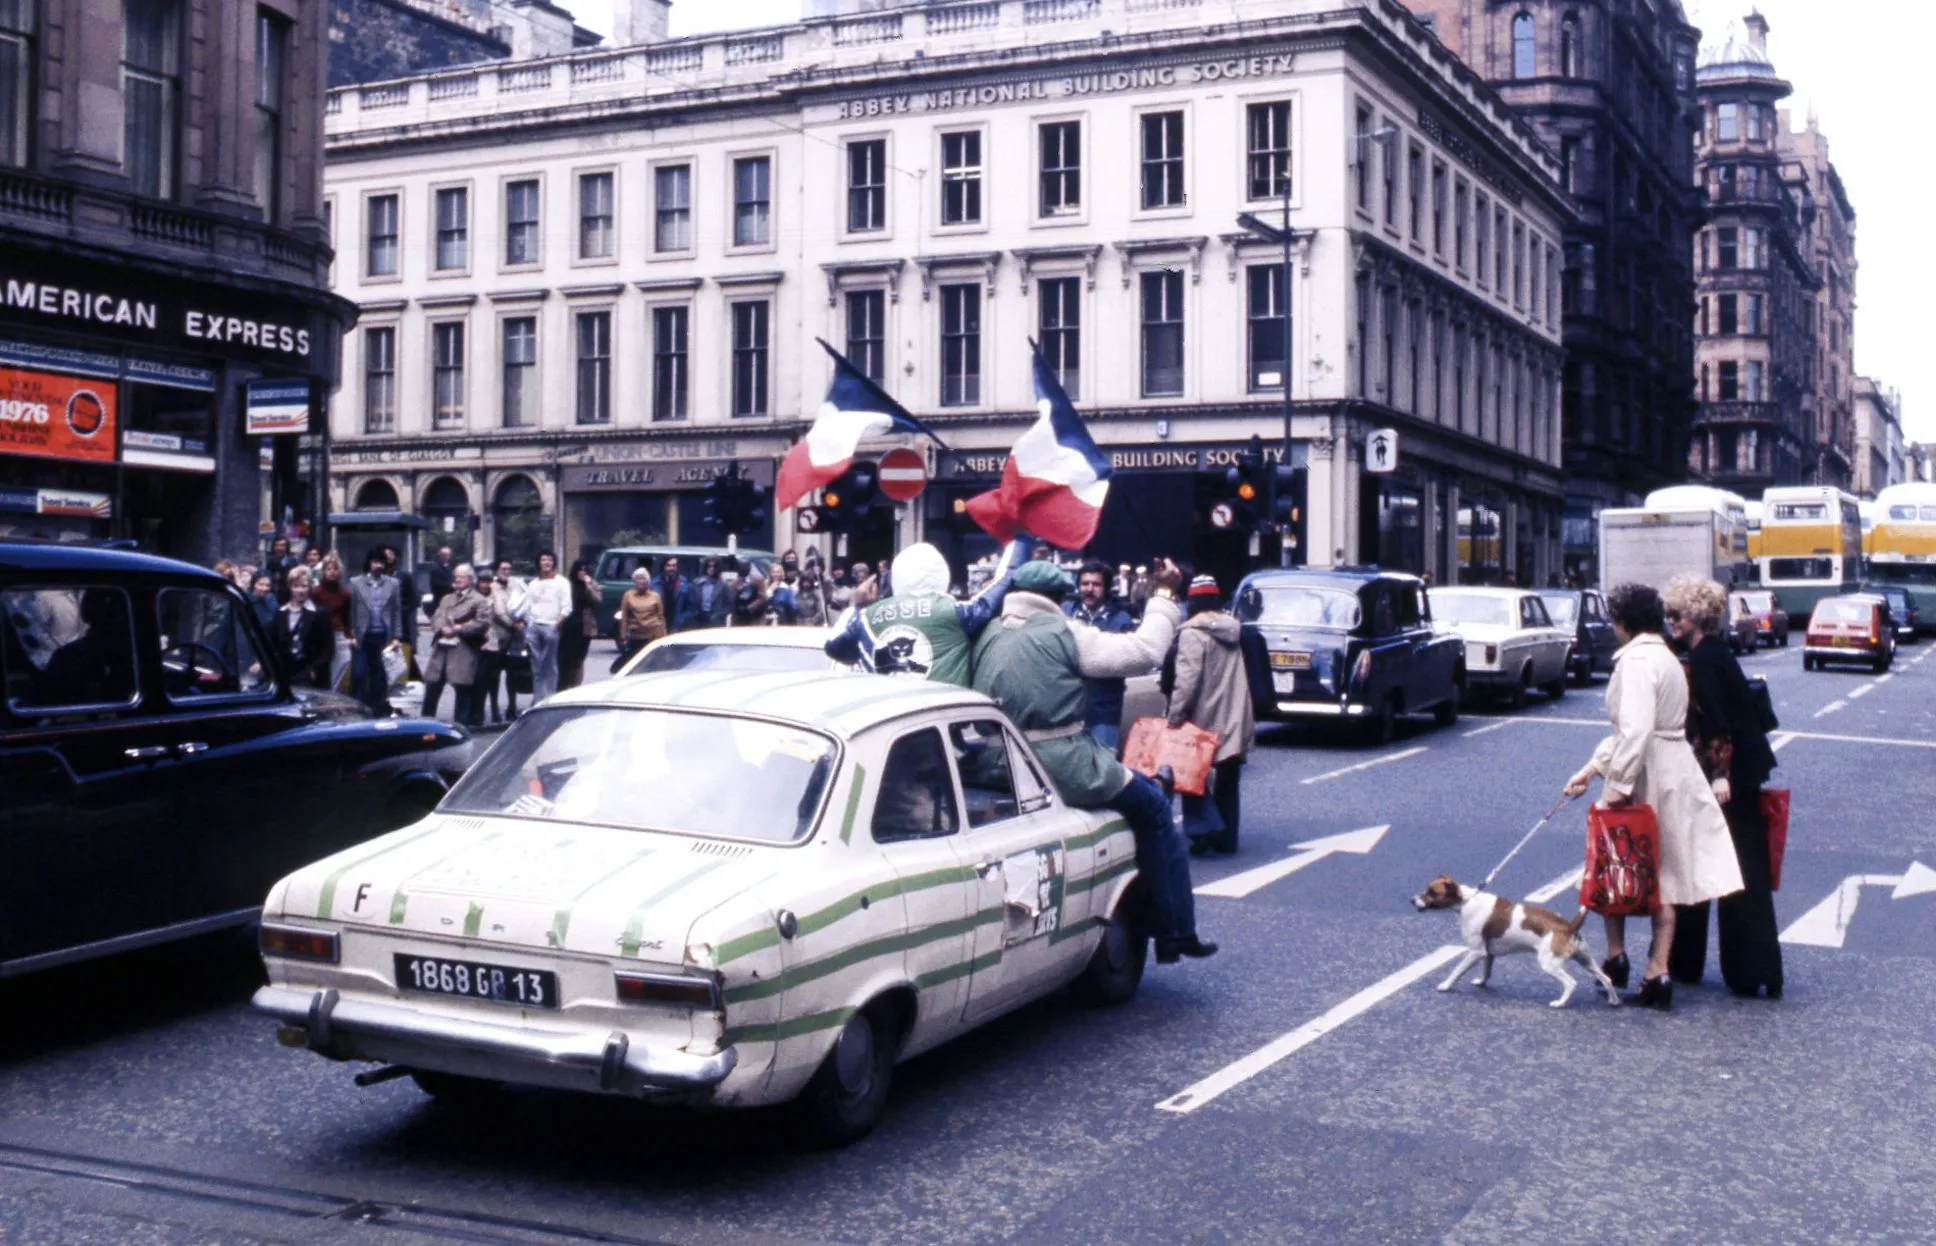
(1854, 628)
(1763, 609)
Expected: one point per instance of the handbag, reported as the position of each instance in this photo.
(1189, 751)
(1622, 876)
(1764, 704)
(1774, 812)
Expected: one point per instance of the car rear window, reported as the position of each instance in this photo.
(1760, 603)
(1299, 606)
(1833, 611)
(678, 657)
(67, 649)
(1563, 608)
(654, 769)
(1471, 608)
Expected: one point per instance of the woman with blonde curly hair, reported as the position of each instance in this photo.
(1647, 761)
(1730, 738)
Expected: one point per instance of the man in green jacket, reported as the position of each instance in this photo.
(1035, 663)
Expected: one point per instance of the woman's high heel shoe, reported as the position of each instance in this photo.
(1656, 993)
(1617, 969)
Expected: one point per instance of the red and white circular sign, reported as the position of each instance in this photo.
(903, 474)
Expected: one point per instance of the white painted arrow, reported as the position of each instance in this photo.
(1237, 886)
(1827, 924)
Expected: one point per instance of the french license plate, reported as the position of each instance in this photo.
(1291, 661)
(469, 979)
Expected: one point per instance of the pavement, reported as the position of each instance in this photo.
(1306, 1084)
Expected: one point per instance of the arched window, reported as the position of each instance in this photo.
(376, 495)
(1522, 45)
(447, 505)
(1570, 59)
(519, 526)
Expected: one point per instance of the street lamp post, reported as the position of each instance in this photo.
(1286, 236)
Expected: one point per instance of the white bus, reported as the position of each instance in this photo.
(1734, 530)
(1811, 545)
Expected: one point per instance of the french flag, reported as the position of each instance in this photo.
(1055, 480)
(855, 409)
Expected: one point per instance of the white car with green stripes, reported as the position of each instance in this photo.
(718, 888)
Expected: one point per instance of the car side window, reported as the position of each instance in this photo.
(67, 649)
(1384, 619)
(917, 791)
(987, 778)
(1591, 604)
(1410, 606)
(1032, 791)
(1535, 611)
(207, 650)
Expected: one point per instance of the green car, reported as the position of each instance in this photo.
(616, 565)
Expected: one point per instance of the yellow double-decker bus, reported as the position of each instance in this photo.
(1902, 548)
(1752, 519)
(1811, 546)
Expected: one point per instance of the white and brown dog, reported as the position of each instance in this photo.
(1495, 926)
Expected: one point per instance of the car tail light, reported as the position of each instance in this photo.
(298, 943)
(1492, 655)
(1361, 669)
(672, 989)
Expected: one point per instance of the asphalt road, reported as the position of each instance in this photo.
(141, 1100)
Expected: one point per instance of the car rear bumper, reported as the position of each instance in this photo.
(1844, 653)
(1320, 709)
(348, 1028)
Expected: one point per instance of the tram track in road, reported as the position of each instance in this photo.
(232, 1196)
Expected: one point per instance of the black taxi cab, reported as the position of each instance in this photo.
(1357, 645)
(158, 772)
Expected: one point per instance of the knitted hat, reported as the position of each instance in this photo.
(1205, 586)
(1041, 577)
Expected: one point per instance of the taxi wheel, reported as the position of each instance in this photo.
(454, 1088)
(1446, 712)
(1384, 724)
(847, 1095)
(1116, 969)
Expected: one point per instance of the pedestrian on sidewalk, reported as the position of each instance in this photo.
(458, 629)
(1094, 606)
(1648, 761)
(576, 634)
(503, 634)
(332, 597)
(303, 635)
(547, 604)
(641, 617)
(1725, 726)
(1210, 688)
(376, 619)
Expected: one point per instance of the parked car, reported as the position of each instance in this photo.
(1851, 628)
(737, 649)
(1905, 612)
(722, 890)
(1511, 643)
(1357, 645)
(157, 770)
(615, 566)
(1764, 610)
(1594, 644)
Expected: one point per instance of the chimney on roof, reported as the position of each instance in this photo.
(638, 22)
(1757, 30)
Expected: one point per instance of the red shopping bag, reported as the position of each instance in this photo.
(1774, 812)
(1622, 876)
(1189, 751)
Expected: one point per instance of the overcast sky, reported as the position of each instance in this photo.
(1855, 61)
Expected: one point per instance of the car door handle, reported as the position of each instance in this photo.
(986, 868)
(147, 752)
(191, 747)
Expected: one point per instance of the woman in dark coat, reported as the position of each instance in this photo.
(302, 634)
(575, 636)
(1724, 724)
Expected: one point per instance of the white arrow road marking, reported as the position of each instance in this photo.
(1281, 1048)
(1366, 765)
(1237, 886)
(1827, 924)
(1830, 708)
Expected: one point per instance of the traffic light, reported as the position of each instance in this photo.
(1287, 489)
(847, 498)
(1246, 481)
(734, 503)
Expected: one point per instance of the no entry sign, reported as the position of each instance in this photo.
(904, 473)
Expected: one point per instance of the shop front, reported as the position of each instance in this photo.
(659, 502)
(125, 399)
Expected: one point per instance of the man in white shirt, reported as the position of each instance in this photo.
(547, 602)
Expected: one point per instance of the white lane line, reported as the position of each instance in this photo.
(1235, 1074)
(1558, 885)
(1231, 1076)
(1862, 739)
(1856, 694)
(1494, 727)
(1883, 679)
(1830, 708)
(1780, 740)
(1366, 765)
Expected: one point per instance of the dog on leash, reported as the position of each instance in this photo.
(1495, 926)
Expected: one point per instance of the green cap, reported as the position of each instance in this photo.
(1042, 577)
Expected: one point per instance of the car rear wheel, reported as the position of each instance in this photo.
(454, 1088)
(1808, 663)
(1384, 725)
(1446, 712)
(1116, 968)
(1783, 642)
(1516, 697)
(846, 1097)
(1557, 687)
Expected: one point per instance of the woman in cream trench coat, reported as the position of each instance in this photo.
(1647, 760)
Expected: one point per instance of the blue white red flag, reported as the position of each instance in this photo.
(855, 409)
(1055, 480)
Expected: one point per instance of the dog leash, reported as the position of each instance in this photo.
(1523, 842)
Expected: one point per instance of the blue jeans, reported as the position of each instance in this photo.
(373, 686)
(542, 640)
(1109, 735)
(1161, 858)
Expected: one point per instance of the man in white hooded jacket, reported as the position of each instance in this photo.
(921, 630)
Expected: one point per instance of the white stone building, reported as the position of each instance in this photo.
(1881, 456)
(589, 282)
